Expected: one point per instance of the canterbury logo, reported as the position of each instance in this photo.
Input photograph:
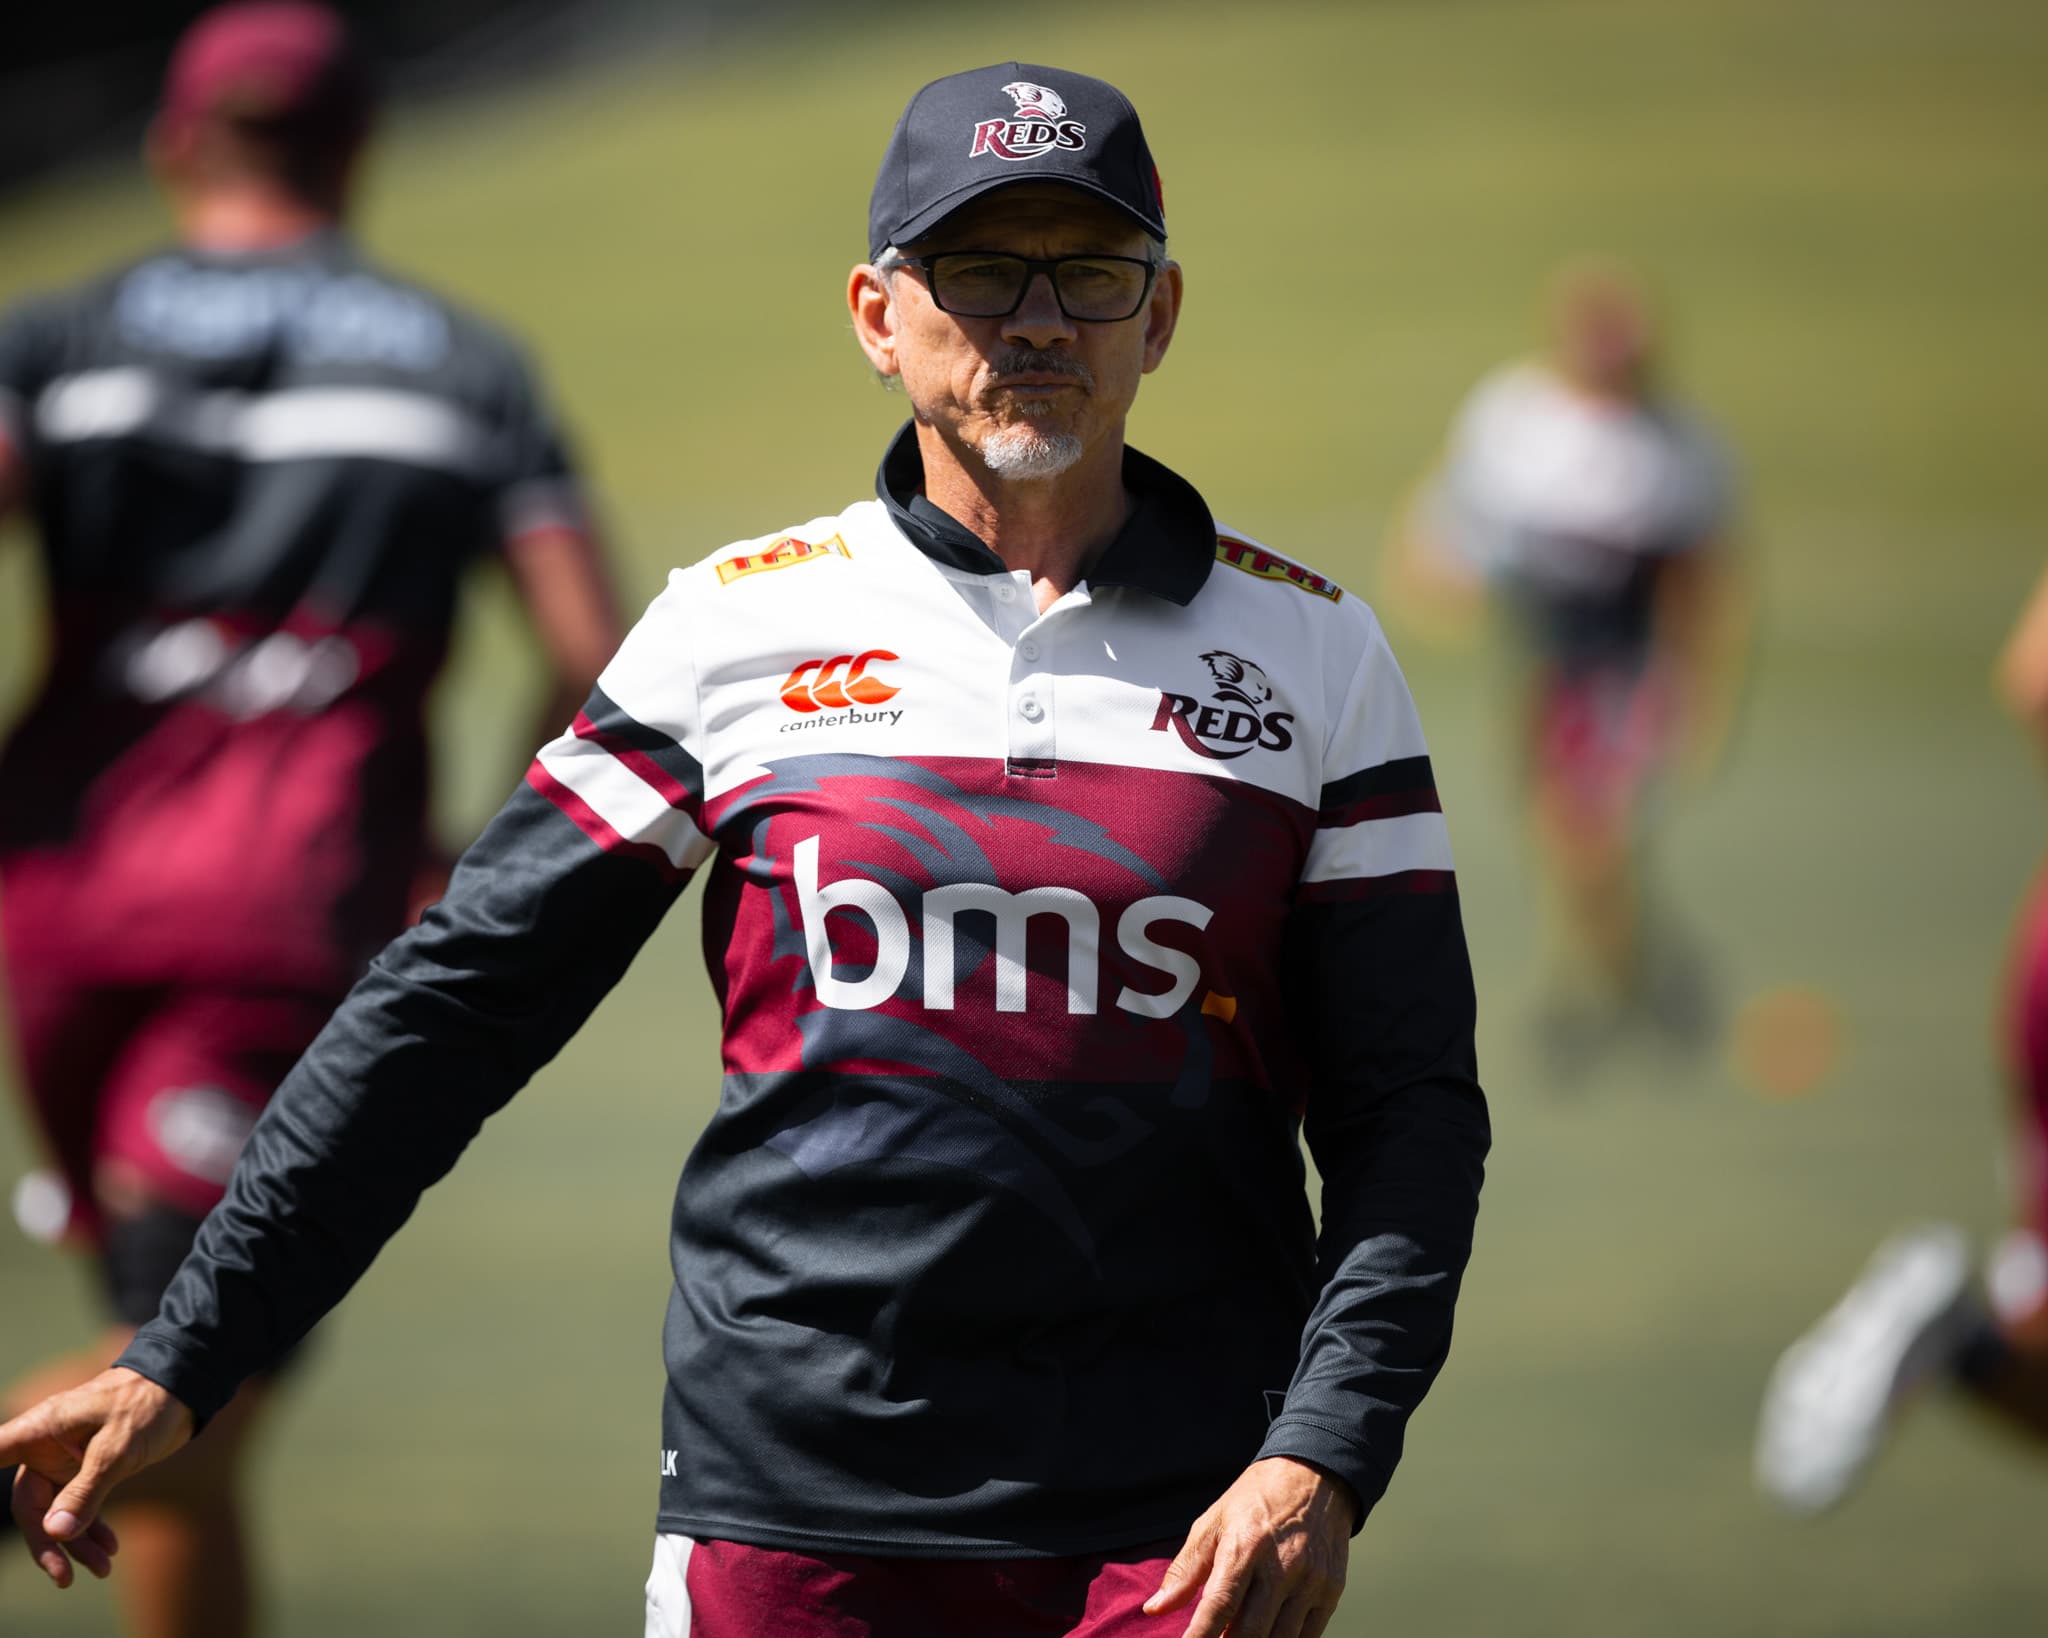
(1256, 560)
(841, 681)
(780, 555)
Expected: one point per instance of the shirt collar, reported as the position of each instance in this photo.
(1166, 547)
(327, 246)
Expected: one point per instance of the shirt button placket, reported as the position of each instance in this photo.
(1030, 716)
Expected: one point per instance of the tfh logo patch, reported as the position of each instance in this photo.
(780, 555)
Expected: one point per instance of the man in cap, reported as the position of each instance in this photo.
(259, 466)
(1067, 856)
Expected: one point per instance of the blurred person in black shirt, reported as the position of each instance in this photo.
(259, 466)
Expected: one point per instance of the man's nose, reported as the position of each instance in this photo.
(1038, 321)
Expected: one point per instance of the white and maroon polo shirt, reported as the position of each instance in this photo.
(1039, 938)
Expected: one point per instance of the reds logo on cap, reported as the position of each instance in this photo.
(1041, 124)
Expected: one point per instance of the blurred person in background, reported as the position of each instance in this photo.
(1593, 508)
(1916, 1317)
(1068, 860)
(259, 466)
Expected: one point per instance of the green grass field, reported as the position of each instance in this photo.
(1847, 203)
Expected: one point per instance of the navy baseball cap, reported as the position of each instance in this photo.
(1011, 122)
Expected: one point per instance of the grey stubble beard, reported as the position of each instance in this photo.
(1022, 453)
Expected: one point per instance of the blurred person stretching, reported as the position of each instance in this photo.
(1916, 1317)
(1595, 509)
(259, 466)
(1067, 857)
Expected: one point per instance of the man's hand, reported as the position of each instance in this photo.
(73, 1448)
(1267, 1559)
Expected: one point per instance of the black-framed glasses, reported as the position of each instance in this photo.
(991, 283)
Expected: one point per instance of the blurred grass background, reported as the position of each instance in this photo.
(1846, 205)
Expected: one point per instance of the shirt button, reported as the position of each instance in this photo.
(1005, 592)
(1029, 709)
(1028, 649)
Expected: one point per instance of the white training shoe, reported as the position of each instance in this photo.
(1836, 1390)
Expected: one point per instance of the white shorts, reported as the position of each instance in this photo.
(668, 1597)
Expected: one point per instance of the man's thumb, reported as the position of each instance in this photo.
(78, 1503)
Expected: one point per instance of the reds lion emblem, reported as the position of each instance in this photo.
(1237, 679)
(1040, 126)
(1036, 101)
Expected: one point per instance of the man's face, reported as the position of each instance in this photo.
(1603, 332)
(1028, 394)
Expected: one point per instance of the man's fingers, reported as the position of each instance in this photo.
(1224, 1596)
(1291, 1620)
(35, 1497)
(32, 1495)
(1318, 1621)
(87, 1550)
(1189, 1569)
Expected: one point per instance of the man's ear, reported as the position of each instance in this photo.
(1162, 314)
(874, 318)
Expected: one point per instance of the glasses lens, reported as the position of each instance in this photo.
(977, 286)
(1110, 288)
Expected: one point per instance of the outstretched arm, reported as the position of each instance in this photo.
(543, 916)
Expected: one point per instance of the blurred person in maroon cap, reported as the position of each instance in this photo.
(259, 466)
(1594, 509)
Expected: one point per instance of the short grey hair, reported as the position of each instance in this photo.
(891, 262)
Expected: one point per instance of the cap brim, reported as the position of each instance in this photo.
(928, 219)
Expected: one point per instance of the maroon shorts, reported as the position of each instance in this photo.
(143, 1092)
(720, 1589)
(1601, 737)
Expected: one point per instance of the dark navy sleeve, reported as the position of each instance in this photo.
(541, 919)
(537, 484)
(1393, 1113)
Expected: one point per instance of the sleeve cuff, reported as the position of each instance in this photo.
(178, 1373)
(1335, 1453)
